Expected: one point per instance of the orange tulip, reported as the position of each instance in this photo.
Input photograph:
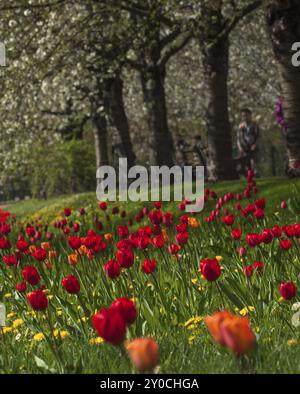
(193, 222)
(73, 259)
(45, 245)
(108, 237)
(32, 249)
(231, 331)
(83, 250)
(213, 324)
(165, 235)
(144, 353)
(52, 253)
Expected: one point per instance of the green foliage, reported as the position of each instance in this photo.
(63, 168)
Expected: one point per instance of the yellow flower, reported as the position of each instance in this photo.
(7, 295)
(191, 339)
(64, 334)
(17, 323)
(59, 312)
(39, 337)
(192, 321)
(194, 281)
(5, 330)
(96, 341)
(292, 342)
(11, 314)
(247, 310)
(219, 258)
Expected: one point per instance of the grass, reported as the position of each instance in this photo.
(274, 189)
(167, 303)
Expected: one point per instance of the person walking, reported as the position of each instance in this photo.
(247, 141)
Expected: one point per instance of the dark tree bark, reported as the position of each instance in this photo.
(118, 118)
(161, 147)
(283, 19)
(215, 63)
(100, 126)
(100, 136)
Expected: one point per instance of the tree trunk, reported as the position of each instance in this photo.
(220, 163)
(100, 136)
(161, 148)
(117, 114)
(283, 19)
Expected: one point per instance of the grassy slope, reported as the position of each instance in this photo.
(275, 355)
(273, 189)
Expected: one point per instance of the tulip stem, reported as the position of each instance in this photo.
(54, 348)
(221, 295)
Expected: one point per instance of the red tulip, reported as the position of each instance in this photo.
(30, 231)
(123, 231)
(182, 238)
(267, 236)
(39, 254)
(228, 220)
(126, 308)
(125, 258)
(22, 245)
(285, 244)
(38, 300)
(74, 242)
(5, 243)
(71, 284)
(210, 269)
(10, 260)
(259, 214)
(253, 239)
(112, 269)
(260, 204)
(174, 248)
(103, 205)
(248, 271)
(149, 266)
(67, 212)
(155, 217)
(21, 287)
(288, 290)
(110, 325)
(31, 275)
(158, 241)
(236, 233)
(242, 252)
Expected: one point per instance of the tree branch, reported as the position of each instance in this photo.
(248, 9)
(180, 44)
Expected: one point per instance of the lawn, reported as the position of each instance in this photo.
(172, 301)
